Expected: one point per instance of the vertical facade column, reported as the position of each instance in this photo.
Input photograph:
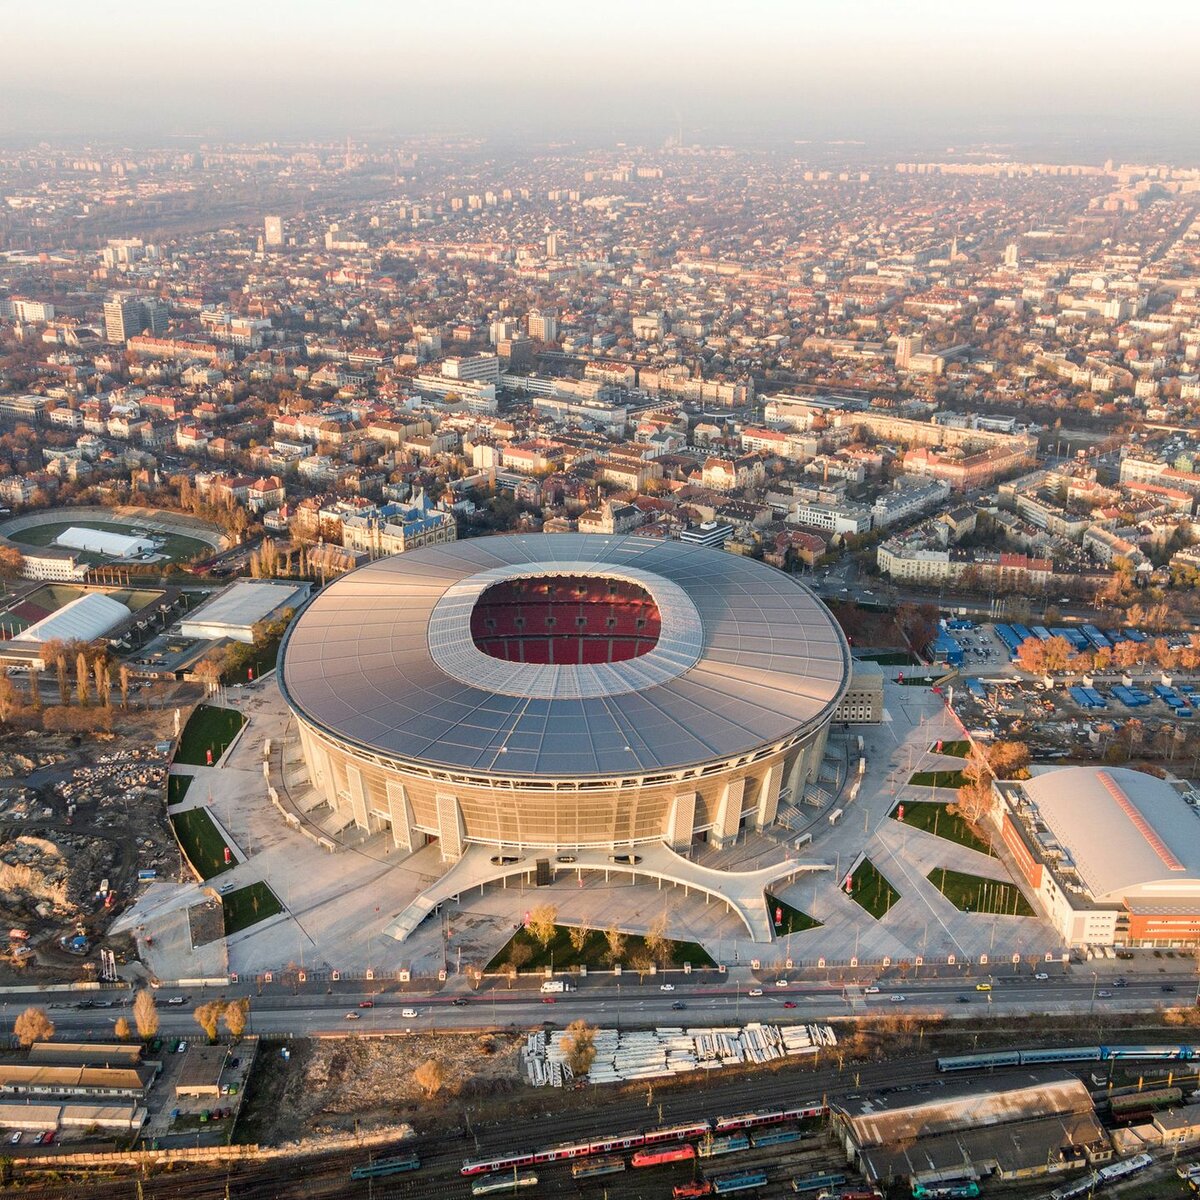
(451, 831)
(320, 769)
(358, 796)
(729, 813)
(403, 834)
(768, 796)
(681, 822)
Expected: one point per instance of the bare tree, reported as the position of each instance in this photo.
(657, 941)
(81, 677)
(579, 1047)
(208, 1016)
(145, 1014)
(429, 1077)
(542, 923)
(236, 1015)
(33, 1025)
(616, 945)
(579, 936)
(519, 953)
(123, 677)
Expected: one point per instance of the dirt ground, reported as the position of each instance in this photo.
(342, 1084)
(76, 811)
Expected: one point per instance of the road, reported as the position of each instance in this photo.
(308, 1010)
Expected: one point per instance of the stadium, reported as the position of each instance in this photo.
(563, 693)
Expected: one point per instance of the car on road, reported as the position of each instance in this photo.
(1104, 994)
(549, 999)
(1121, 982)
(1041, 975)
(181, 1047)
(460, 1002)
(754, 992)
(781, 983)
(353, 1017)
(366, 1004)
(409, 1012)
(789, 1004)
(666, 987)
(565, 858)
(983, 987)
(898, 998)
(964, 999)
(176, 1001)
(871, 990)
(679, 1006)
(1168, 987)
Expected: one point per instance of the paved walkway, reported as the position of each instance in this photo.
(741, 891)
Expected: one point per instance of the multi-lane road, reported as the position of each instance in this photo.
(311, 1009)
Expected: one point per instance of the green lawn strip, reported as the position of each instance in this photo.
(208, 728)
(937, 819)
(956, 749)
(201, 841)
(889, 658)
(256, 659)
(593, 955)
(177, 786)
(974, 893)
(792, 919)
(249, 905)
(922, 681)
(871, 890)
(941, 779)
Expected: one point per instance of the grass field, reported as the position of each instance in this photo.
(872, 891)
(177, 786)
(249, 905)
(919, 681)
(201, 842)
(208, 728)
(941, 779)
(177, 547)
(933, 818)
(956, 749)
(973, 893)
(593, 955)
(793, 919)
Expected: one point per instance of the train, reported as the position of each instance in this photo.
(1093, 1180)
(1067, 1054)
(504, 1183)
(661, 1155)
(687, 1132)
(606, 1164)
(776, 1137)
(1137, 1106)
(730, 1143)
(386, 1166)
(740, 1181)
(963, 1190)
(688, 1191)
(817, 1183)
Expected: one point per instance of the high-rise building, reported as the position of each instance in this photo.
(273, 231)
(908, 344)
(127, 314)
(542, 327)
(552, 245)
(1011, 259)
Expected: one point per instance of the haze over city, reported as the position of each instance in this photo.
(600, 599)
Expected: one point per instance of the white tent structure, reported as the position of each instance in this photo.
(104, 541)
(82, 620)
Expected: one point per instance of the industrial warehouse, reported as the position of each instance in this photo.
(1112, 854)
(566, 693)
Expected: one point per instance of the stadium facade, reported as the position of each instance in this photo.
(563, 692)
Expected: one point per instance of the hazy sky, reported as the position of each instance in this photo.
(821, 68)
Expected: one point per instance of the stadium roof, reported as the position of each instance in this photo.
(1123, 829)
(83, 619)
(383, 659)
(240, 606)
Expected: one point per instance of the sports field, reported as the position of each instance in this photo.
(177, 547)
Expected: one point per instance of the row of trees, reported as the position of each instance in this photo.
(1058, 655)
(1001, 760)
(542, 925)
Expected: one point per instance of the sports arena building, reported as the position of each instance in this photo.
(1112, 854)
(564, 692)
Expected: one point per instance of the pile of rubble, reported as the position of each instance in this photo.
(623, 1055)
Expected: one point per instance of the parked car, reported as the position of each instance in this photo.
(666, 987)
(15, 1140)
(175, 1001)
